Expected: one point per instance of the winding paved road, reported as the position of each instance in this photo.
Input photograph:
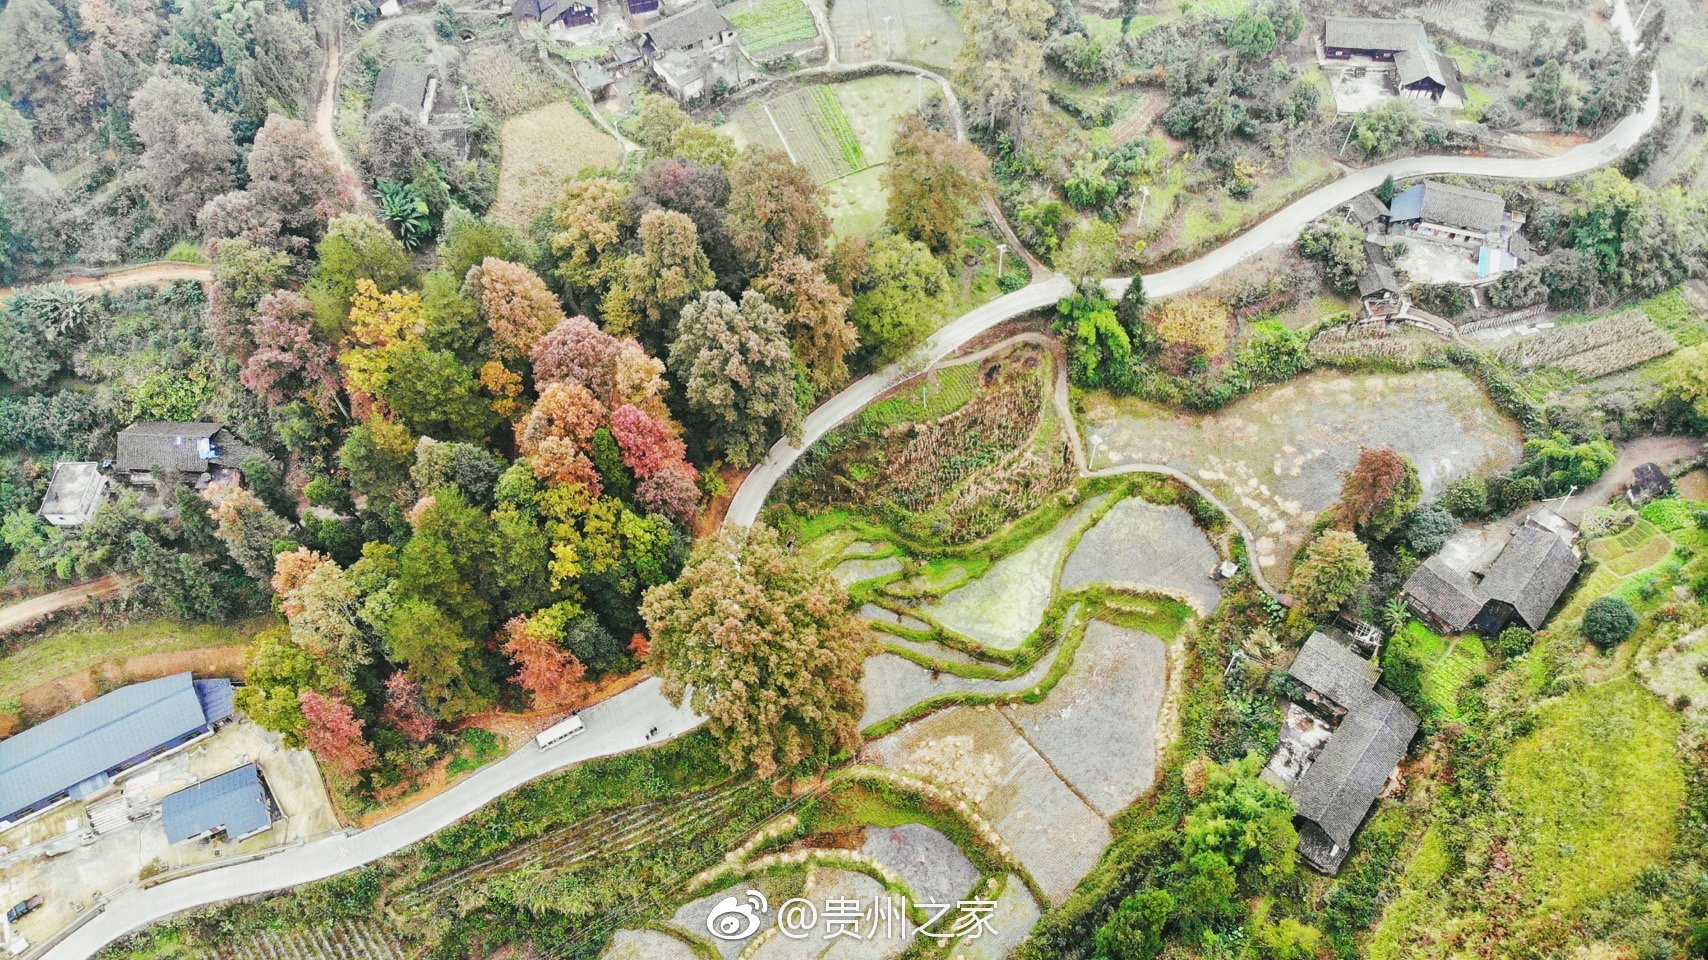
(1280, 228)
(620, 724)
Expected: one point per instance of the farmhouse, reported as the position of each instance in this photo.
(1519, 588)
(1420, 71)
(405, 86)
(1440, 211)
(77, 753)
(204, 450)
(1379, 286)
(73, 494)
(1354, 766)
(566, 13)
(693, 51)
(1648, 482)
(235, 803)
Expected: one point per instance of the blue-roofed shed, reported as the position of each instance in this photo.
(234, 803)
(76, 753)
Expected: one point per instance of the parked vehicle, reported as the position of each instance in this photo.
(26, 906)
(559, 732)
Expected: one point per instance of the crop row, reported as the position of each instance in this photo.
(602, 834)
(1593, 349)
(801, 119)
(344, 940)
(836, 123)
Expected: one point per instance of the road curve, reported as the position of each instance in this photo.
(620, 724)
(1280, 228)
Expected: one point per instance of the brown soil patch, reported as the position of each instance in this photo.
(62, 693)
(712, 517)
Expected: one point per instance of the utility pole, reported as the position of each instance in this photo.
(1144, 198)
(1001, 252)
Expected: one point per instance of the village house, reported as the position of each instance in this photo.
(74, 493)
(236, 804)
(1420, 71)
(1453, 590)
(1461, 215)
(78, 753)
(1355, 765)
(569, 14)
(408, 87)
(201, 452)
(1648, 482)
(693, 52)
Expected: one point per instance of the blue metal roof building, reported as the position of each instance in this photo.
(76, 753)
(234, 803)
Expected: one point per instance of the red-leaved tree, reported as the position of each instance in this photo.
(334, 733)
(552, 674)
(405, 710)
(647, 445)
(288, 361)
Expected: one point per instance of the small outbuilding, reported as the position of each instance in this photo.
(1379, 286)
(74, 493)
(235, 803)
(1648, 482)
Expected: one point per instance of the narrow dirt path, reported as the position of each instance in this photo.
(26, 612)
(326, 107)
(158, 273)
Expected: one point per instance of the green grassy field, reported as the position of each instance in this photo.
(71, 649)
(1447, 664)
(1597, 787)
(768, 24)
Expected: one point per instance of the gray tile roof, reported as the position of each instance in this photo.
(1378, 276)
(179, 447)
(1450, 206)
(1338, 789)
(691, 26)
(1369, 33)
(1366, 209)
(1331, 668)
(105, 734)
(234, 803)
(1445, 592)
(401, 85)
(1531, 573)
(175, 446)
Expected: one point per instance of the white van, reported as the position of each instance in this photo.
(559, 732)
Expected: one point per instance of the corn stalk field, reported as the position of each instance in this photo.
(1593, 349)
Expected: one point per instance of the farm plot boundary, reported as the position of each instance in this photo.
(811, 126)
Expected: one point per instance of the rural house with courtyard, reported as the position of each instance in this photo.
(1419, 70)
(1457, 589)
(1354, 767)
